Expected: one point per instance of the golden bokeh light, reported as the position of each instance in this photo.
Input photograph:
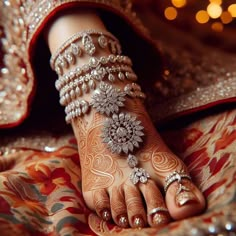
(216, 14)
(217, 26)
(170, 13)
(232, 10)
(202, 17)
(214, 10)
(219, 2)
(179, 3)
(226, 17)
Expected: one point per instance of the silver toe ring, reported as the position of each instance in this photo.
(158, 210)
(175, 176)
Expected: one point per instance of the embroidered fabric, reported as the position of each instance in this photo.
(21, 23)
(191, 83)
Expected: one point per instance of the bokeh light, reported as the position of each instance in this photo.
(179, 3)
(219, 2)
(170, 13)
(226, 17)
(202, 17)
(214, 10)
(232, 10)
(217, 26)
(218, 15)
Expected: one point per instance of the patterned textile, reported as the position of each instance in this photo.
(40, 175)
(40, 187)
(183, 86)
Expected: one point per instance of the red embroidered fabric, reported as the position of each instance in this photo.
(40, 181)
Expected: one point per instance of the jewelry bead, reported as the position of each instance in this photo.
(65, 55)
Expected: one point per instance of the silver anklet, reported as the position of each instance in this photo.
(81, 43)
(111, 99)
(122, 132)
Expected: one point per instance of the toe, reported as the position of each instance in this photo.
(135, 206)
(184, 199)
(101, 204)
(118, 207)
(157, 212)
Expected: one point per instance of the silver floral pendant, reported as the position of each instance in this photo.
(122, 133)
(108, 100)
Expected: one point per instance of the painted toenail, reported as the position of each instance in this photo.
(138, 222)
(123, 222)
(185, 197)
(160, 215)
(160, 219)
(106, 215)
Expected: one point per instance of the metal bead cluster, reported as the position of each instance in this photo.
(122, 133)
(83, 43)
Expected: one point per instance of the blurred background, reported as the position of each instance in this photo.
(212, 21)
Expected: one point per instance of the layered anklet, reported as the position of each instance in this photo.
(122, 132)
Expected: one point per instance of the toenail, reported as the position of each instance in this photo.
(160, 215)
(185, 197)
(138, 222)
(123, 221)
(106, 215)
(160, 219)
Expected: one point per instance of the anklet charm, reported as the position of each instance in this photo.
(139, 175)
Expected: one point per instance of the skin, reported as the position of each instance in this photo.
(106, 184)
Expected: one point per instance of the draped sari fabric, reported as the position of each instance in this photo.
(40, 176)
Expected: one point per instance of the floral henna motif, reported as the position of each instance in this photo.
(100, 201)
(162, 159)
(164, 162)
(98, 165)
(134, 206)
(153, 200)
(117, 204)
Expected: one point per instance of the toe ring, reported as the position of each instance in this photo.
(175, 176)
(158, 210)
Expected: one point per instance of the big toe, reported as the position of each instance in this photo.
(184, 199)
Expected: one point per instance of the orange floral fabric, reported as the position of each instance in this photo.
(40, 190)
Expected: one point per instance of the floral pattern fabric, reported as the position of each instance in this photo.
(40, 190)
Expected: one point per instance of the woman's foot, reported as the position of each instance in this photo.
(107, 187)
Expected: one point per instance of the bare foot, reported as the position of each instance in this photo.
(107, 186)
